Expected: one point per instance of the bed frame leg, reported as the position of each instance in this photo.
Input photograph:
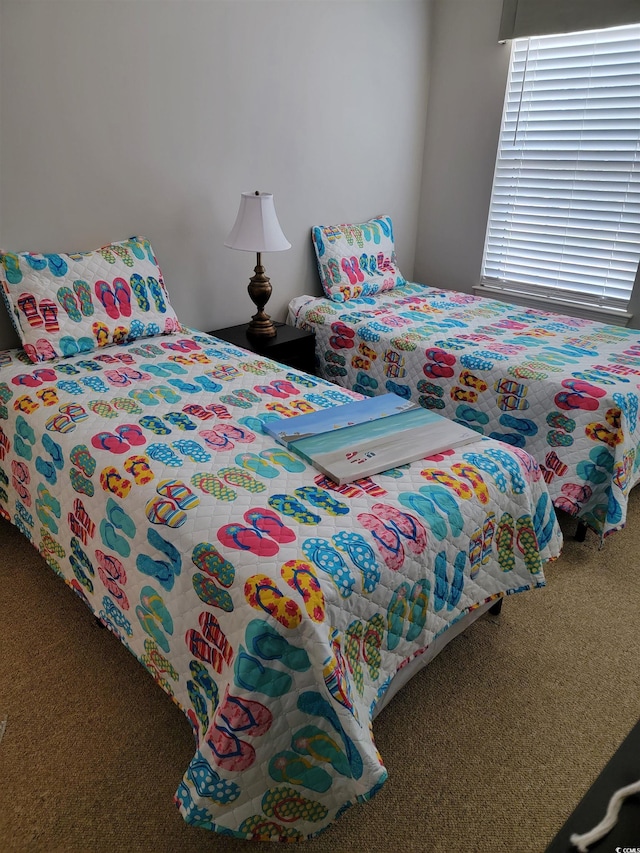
(581, 532)
(495, 609)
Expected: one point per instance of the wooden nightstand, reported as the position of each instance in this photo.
(291, 346)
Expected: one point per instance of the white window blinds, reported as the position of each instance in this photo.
(564, 219)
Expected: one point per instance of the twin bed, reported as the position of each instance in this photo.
(562, 388)
(280, 612)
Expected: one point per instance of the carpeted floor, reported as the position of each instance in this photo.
(489, 749)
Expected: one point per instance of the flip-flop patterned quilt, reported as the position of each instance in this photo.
(562, 388)
(273, 607)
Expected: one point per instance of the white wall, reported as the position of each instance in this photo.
(151, 116)
(466, 93)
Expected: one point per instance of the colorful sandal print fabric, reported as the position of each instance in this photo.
(65, 304)
(563, 389)
(254, 590)
(356, 259)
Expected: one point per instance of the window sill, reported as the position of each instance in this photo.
(600, 314)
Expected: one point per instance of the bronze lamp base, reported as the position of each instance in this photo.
(261, 325)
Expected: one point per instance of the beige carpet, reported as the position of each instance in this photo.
(489, 749)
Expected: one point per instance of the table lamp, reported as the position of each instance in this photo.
(257, 230)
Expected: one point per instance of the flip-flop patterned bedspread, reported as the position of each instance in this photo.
(273, 607)
(562, 388)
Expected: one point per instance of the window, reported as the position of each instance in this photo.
(564, 220)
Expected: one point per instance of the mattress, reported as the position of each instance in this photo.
(274, 608)
(564, 389)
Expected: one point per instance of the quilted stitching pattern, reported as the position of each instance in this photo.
(562, 388)
(63, 304)
(272, 606)
(356, 259)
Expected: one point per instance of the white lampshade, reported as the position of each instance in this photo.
(256, 227)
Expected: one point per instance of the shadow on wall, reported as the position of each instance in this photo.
(8, 336)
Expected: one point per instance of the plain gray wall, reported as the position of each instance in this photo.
(124, 117)
(152, 116)
(468, 76)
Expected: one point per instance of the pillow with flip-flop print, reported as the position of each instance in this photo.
(358, 259)
(63, 304)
